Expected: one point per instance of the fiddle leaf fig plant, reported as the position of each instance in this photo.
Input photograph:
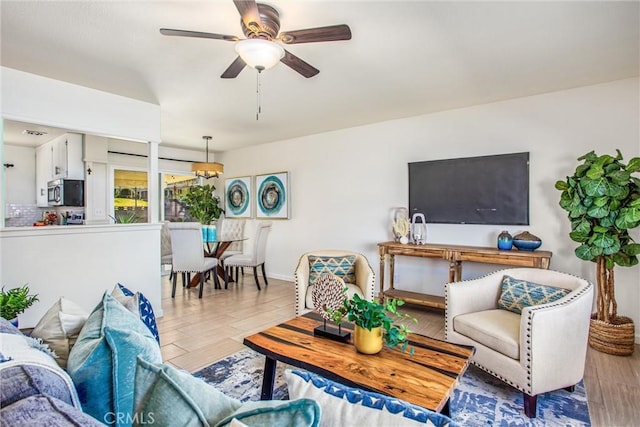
(201, 204)
(602, 199)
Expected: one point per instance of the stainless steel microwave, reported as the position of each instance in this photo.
(65, 192)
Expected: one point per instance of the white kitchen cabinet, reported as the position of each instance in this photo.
(59, 158)
(67, 157)
(44, 168)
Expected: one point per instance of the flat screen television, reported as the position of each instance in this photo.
(472, 190)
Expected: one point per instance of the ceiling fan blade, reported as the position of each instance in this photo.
(186, 33)
(299, 65)
(249, 13)
(320, 34)
(234, 69)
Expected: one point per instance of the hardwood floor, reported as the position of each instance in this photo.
(197, 332)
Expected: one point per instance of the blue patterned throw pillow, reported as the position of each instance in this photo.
(518, 294)
(342, 266)
(145, 310)
(342, 405)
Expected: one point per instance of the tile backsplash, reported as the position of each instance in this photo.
(22, 214)
(25, 214)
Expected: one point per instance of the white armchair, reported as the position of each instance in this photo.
(364, 282)
(540, 350)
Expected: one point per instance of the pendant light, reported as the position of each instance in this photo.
(207, 169)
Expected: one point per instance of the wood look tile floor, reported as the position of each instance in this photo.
(197, 332)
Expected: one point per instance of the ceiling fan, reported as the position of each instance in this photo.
(261, 27)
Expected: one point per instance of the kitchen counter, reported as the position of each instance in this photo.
(49, 230)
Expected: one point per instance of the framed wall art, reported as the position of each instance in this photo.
(272, 196)
(238, 193)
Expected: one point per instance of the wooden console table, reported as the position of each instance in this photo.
(455, 255)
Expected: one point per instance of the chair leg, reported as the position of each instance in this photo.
(184, 280)
(530, 405)
(226, 277)
(216, 281)
(173, 288)
(201, 284)
(264, 275)
(237, 270)
(255, 276)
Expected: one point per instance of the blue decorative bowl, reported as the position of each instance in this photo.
(526, 241)
(527, 245)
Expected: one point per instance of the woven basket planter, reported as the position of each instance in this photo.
(615, 338)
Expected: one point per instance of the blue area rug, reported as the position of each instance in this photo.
(479, 399)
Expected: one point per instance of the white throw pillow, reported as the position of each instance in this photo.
(60, 326)
(347, 406)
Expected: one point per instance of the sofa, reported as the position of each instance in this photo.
(115, 376)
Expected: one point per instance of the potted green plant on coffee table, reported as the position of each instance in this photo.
(375, 323)
(15, 301)
(602, 199)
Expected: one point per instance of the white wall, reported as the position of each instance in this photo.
(344, 183)
(81, 263)
(35, 99)
(21, 178)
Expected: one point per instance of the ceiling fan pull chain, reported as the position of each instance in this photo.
(259, 106)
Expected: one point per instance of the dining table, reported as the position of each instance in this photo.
(214, 248)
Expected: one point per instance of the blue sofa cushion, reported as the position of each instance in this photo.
(23, 380)
(102, 363)
(276, 413)
(43, 410)
(27, 368)
(164, 394)
(7, 327)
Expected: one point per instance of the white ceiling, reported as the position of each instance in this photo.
(406, 58)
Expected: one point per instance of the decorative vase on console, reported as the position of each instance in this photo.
(526, 241)
(505, 241)
(400, 225)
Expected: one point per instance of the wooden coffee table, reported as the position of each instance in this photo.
(426, 379)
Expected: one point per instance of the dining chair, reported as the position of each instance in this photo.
(188, 253)
(165, 247)
(231, 229)
(253, 259)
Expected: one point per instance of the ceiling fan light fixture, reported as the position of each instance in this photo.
(207, 169)
(259, 53)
